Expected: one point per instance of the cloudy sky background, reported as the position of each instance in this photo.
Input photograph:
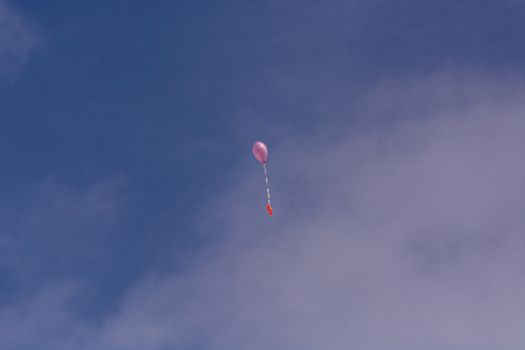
(132, 211)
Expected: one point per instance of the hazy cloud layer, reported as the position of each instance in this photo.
(409, 236)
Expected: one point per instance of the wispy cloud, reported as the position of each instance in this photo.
(48, 226)
(52, 236)
(42, 320)
(17, 39)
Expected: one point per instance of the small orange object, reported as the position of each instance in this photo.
(269, 208)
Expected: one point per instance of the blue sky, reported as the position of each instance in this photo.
(132, 211)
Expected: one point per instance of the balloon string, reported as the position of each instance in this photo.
(267, 184)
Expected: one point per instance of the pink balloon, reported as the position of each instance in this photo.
(260, 151)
